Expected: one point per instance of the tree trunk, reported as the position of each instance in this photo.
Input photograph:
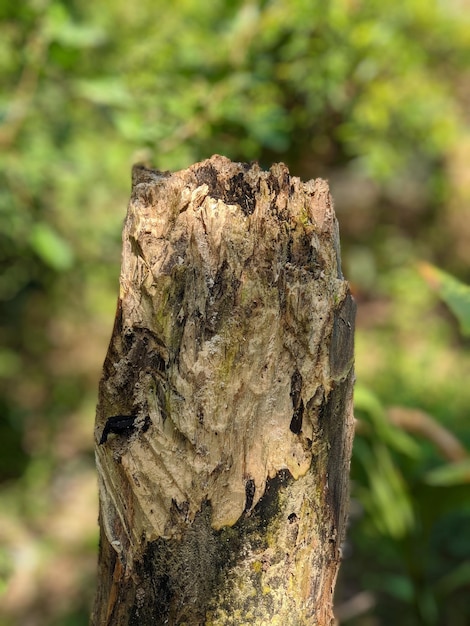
(224, 424)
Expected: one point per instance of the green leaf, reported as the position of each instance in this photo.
(453, 292)
(450, 474)
(109, 91)
(367, 403)
(386, 497)
(456, 578)
(51, 248)
(399, 587)
(61, 28)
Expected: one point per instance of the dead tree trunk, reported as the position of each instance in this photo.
(224, 423)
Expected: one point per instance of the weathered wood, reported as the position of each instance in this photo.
(224, 423)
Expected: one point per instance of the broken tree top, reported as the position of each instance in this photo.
(234, 326)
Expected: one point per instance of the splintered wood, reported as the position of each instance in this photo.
(224, 423)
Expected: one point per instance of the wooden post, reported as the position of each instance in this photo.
(224, 424)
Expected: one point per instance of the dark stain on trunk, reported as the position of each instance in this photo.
(297, 403)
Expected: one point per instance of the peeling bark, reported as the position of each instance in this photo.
(224, 423)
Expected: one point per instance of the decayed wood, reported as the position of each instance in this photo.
(224, 423)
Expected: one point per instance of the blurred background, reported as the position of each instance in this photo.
(372, 95)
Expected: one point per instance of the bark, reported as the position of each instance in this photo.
(224, 424)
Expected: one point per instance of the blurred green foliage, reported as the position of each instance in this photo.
(372, 95)
(453, 292)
